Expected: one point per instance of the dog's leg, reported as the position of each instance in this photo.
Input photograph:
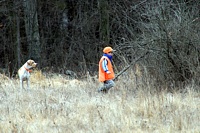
(28, 83)
(21, 84)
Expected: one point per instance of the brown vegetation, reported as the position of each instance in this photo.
(56, 104)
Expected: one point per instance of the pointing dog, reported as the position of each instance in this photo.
(24, 73)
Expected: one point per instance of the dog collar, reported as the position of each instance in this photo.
(28, 69)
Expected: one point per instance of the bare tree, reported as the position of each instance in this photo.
(104, 29)
(18, 40)
(170, 30)
(32, 28)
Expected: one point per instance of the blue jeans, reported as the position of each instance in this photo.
(107, 85)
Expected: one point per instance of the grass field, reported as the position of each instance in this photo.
(55, 104)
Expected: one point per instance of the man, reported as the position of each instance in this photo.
(106, 73)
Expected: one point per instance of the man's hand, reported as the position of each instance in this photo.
(108, 72)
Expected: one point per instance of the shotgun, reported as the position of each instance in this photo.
(132, 63)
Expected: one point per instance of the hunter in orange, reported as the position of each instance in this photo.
(106, 73)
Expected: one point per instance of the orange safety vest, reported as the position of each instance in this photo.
(102, 74)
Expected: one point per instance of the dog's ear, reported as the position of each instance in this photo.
(29, 62)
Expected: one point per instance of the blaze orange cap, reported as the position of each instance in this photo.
(107, 50)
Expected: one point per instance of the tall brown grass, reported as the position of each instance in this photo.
(55, 104)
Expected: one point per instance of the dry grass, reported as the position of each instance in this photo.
(57, 105)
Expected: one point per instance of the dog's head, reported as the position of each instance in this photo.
(31, 63)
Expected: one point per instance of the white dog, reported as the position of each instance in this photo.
(24, 72)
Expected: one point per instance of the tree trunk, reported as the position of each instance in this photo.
(104, 21)
(18, 41)
(32, 29)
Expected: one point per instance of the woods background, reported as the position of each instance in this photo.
(70, 35)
